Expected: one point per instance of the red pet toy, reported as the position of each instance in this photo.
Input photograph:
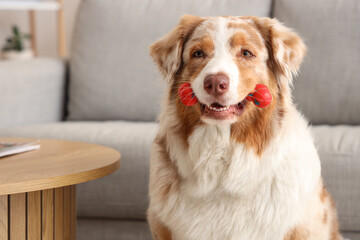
(261, 96)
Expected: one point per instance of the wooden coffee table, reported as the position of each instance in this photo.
(37, 188)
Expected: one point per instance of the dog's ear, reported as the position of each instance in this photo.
(286, 49)
(167, 51)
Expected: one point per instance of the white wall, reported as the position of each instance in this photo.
(46, 27)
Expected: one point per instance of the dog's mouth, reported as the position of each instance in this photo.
(219, 112)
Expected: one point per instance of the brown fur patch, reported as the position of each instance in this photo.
(190, 116)
(233, 25)
(255, 127)
(167, 51)
(164, 176)
(275, 35)
(297, 233)
(205, 44)
(325, 217)
(335, 231)
(238, 39)
(330, 215)
(281, 111)
(334, 221)
(168, 46)
(164, 181)
(189, 119)
(194, 66)
(158, 230)
(249, 37)
(324, 195)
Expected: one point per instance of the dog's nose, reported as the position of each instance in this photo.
(216, 84)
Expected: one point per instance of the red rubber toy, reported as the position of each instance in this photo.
(261, 96)
(187, 95)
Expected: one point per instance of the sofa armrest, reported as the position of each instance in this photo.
(31, 91)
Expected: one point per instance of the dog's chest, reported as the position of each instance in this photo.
(263, 214)
(207, 160)
(228, 193)
(214, 163)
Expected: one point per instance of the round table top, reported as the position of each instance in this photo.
(56, 164)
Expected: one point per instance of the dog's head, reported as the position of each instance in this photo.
(224, 58)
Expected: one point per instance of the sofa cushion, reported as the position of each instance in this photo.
(123, 194)
(112, 75)
(327, 88)
(339, 150)
(31, 91)
(351, 235)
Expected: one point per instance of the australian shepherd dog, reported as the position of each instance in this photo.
(223, 168)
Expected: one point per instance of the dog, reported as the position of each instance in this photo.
(224, 169)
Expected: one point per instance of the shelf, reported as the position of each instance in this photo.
(28, 5)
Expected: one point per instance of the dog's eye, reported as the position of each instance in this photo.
(198, 54)
(246, 54)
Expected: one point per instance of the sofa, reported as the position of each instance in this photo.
(109, 93)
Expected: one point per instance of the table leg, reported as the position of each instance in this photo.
(18, 216)
(48, 214)
(4, 224)
(59, 213)
(34, 215)
(70, 212)
(48, 205)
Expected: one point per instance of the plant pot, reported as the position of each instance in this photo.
(16, 55)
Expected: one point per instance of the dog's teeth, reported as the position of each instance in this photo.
(218, 109)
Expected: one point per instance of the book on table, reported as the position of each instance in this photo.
(10, 148)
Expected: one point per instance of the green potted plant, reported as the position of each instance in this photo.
(14, 48)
